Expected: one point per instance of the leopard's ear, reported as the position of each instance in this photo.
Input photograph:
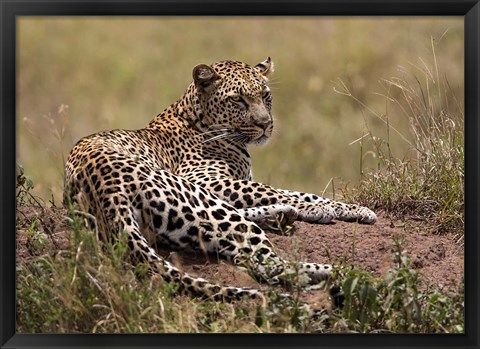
(204, 76)
(266, 67)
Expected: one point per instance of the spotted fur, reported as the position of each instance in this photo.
(185, 181)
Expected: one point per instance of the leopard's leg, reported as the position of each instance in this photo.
(245, 194)
(272, 217)
(343, 212)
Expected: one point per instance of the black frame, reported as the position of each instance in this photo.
(9, 9)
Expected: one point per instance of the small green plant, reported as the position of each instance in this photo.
(23, 187)
(401, 297)
(36, 240)
(443, 312)
(361, 298)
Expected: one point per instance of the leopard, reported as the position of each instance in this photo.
(185, 182)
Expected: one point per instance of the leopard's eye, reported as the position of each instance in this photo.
(236, 98)
(239, 100)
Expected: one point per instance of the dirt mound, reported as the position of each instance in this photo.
(439, 259)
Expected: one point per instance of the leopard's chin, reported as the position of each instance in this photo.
(262, 140)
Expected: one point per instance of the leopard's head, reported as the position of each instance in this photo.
(234, 101)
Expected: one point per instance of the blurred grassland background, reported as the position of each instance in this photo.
(80, 75)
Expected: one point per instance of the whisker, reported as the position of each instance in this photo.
(223, 135)
(213, 131)
(226, 127)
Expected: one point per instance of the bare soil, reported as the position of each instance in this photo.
(439, 258)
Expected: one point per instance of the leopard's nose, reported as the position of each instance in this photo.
(263, 123)
(260, 116)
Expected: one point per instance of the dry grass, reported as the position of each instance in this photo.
(427, 185)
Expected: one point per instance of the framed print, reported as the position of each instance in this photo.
(239, 174)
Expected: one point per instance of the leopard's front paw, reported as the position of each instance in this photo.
(354, 213)
(317, 213)
(366, 216)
